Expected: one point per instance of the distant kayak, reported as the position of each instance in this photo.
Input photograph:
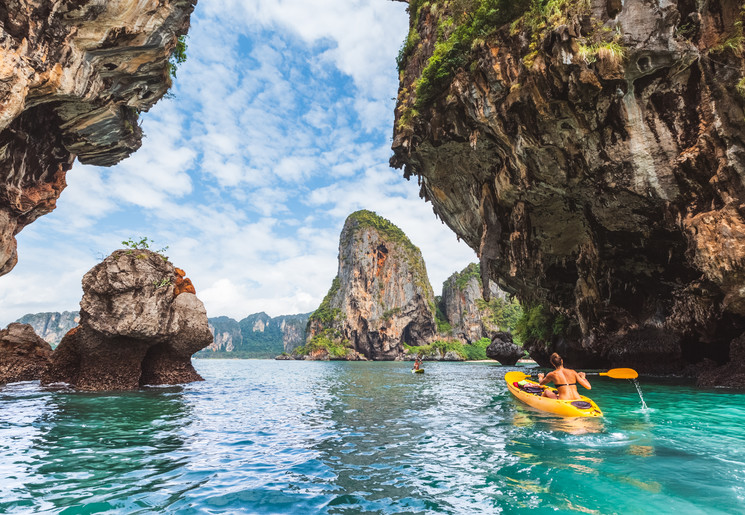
(417, 371)
(529, 392)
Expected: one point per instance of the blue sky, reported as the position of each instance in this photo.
(279, 127)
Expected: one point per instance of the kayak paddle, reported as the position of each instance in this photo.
(614, 373)
(619, 373)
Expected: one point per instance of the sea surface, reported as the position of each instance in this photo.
(262, 436)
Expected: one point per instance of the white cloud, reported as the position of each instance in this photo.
(279, 129)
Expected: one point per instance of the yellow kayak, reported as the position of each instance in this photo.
(417, 370)
(584, 407)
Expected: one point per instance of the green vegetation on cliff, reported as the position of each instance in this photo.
(469, 21)
(328, 340)
(464, 25)
(537, 323)
(363, 219)
(504, 314)
(178, 56)
(443, 326)
(325, 314)
(462, 278)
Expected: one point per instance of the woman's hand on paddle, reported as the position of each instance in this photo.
(581, 374)
(540, 376)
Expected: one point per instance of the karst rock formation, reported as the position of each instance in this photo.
(464, 307)
(593, 154)
(381, 298)
(134, 330)
(74, 76)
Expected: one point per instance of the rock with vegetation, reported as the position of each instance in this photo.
(133, 330)
(591, 153)
(380, 299)
(51, 326)
(503, 349)
(74, 77)
(23, 355)
(465, 315)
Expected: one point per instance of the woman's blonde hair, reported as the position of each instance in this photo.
(556, 360)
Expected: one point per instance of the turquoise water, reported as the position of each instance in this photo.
(338, 437)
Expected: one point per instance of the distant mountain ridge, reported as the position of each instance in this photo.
(51, 326)
(256, 336)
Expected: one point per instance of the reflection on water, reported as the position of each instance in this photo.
(310, 437)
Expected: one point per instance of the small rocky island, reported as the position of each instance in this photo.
(140, 323)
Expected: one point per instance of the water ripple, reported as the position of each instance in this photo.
(305, 437)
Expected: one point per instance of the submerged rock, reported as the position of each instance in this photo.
(380, 299)
(594, 161)
(504, 350)
(23, 354)
(74, 77)
(133, 331)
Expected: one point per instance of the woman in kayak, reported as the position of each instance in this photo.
(418, 362)
(565, 380)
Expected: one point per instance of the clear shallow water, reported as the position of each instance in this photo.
(337, 437)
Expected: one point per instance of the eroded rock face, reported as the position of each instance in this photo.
(464, 306)
(23, 355)
(605, 185)
(133, 331)
(74, 75)
(381, 298)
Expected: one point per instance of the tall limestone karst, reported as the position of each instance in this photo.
(593, 154)
(74, 76)
(380, 299)
(467, 316)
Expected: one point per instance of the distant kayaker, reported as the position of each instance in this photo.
(565, 380)
(417, 363)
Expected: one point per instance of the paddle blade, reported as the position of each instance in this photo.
(621, 373)
(516, 376)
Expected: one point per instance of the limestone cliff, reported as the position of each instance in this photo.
(593, 154)
(380, 299)
(51, 326)
(468, 316)
(256, 336)
(74, 75)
